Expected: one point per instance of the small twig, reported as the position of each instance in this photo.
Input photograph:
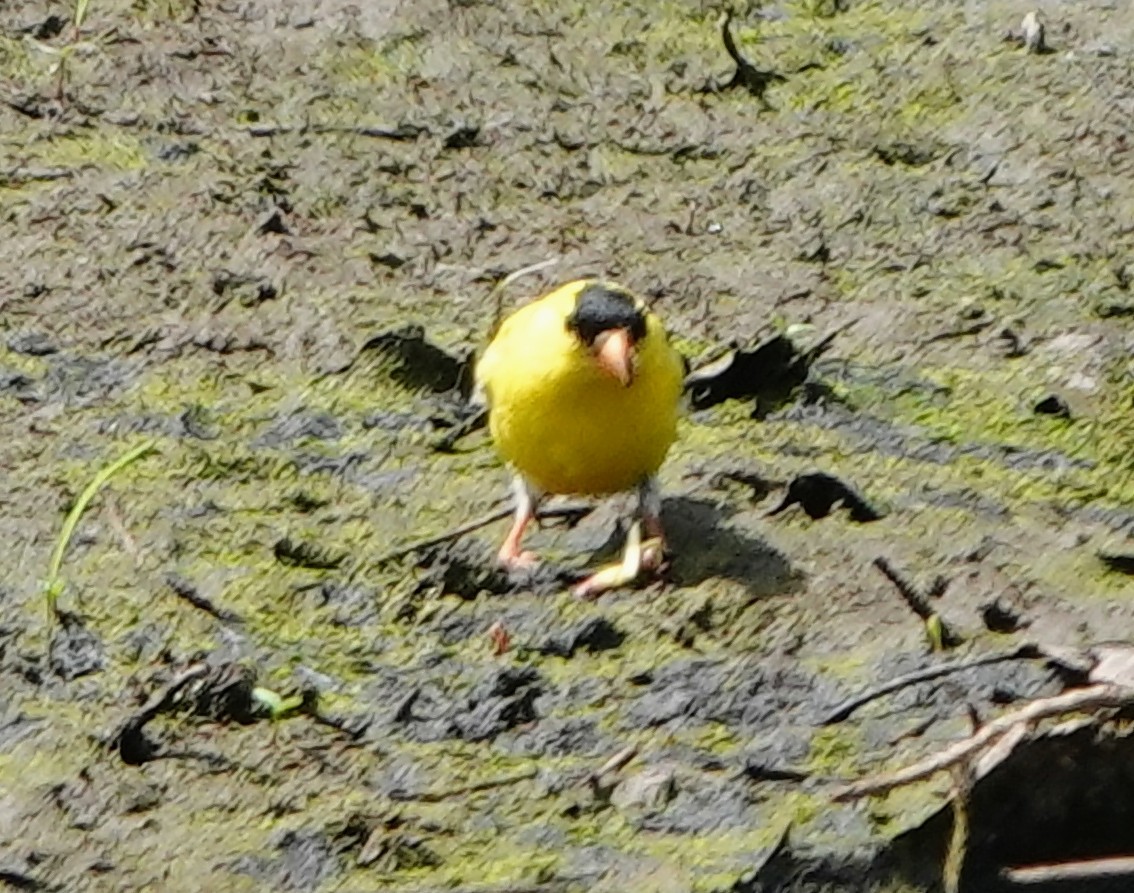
(464, 790)
(215, 760)
(462, 429)
(118, 523)
(747, 75)
(917, 601)
(615, 763)
(564, 511)
(401, 133)
(1117, 866)
(186, 591)
(602, 780)
(763, 772)
(270, 129)
(964, 332)
(454, 534)
(849, 706)
(1091, 698)
(1000, 751)
(18, 175)
(496, 296)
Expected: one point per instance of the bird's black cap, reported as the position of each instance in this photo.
(600, 308)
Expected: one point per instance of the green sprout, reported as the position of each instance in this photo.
(53, 587)
(278, 707)
(64, 53)
(935, 632)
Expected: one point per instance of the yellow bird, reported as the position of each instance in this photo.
(583, 392)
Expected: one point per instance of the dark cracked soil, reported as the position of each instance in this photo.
(263, 236)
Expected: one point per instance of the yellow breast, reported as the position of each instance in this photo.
(562, 422)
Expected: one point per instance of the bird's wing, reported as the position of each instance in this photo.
(479, 395)
(488, 368)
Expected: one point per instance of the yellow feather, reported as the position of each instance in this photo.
(559, 419)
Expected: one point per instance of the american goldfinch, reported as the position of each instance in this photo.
(583, 392)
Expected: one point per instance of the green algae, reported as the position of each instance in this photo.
(115, 152)
(16, 59)
(373, 63)
(30, 366)
(850, 84)
(714, 860)
(835, 752)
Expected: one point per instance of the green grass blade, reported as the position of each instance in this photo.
(80, 12)
(54, 586)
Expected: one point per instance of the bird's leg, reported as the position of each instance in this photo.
(639, 557)
(511, 556)
(649, 507)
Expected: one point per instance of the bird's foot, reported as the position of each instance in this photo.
(641, 558)
(654, 550)
(513, 560)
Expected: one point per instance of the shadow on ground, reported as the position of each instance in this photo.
(707, 546)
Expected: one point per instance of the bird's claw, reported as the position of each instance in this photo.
(654, 556)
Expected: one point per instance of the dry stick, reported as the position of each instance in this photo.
(463, 429)
(186, 591)
(456, 533)
(18, 175)
(602, 780)
(118, 523)
(1091, 698)
(563, 511)
(619, 760)
(1000, 751)
(963, 332)
(497, 293)
(918, 603)
(849, 706)
(475, 787)
(397, 134)
(747, 75)
(1118, 866)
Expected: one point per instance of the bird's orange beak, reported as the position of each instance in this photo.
(615, 354)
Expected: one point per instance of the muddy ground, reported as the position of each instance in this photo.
(212, 215)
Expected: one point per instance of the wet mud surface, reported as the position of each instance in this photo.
(264, 235)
